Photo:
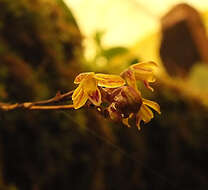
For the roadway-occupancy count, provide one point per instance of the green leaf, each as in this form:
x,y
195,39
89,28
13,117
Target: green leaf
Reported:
x,y
114,51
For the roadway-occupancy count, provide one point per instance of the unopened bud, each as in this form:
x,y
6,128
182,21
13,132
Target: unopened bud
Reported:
x,y
127,101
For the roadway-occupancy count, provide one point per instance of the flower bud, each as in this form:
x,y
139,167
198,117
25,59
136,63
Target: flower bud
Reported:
x,y
128,101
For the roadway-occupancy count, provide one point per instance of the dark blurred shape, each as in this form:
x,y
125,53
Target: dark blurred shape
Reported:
x,y
40,44
184,40
40,53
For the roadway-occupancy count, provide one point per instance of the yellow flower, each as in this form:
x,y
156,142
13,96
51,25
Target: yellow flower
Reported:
x,y
88,87
145,113
145,71
127,103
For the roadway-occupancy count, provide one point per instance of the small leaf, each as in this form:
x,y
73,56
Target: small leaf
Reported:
x,y
114,51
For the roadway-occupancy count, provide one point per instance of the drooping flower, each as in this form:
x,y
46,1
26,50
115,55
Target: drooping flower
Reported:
x,y
144,114
145,71
88,87
127,103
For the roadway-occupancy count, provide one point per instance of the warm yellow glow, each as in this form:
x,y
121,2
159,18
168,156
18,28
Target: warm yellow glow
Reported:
x,y
131,23
125,21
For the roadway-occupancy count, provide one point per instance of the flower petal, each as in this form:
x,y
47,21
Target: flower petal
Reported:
x,y
144,114
147,114
146,84
110,81
129,76
125,121
79,97
95,97
144,71
152,104
131,95
150,65
138,120
89,86
108,94
81,76
113,113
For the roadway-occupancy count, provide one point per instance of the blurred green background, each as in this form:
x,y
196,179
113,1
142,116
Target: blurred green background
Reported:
x,y
41,51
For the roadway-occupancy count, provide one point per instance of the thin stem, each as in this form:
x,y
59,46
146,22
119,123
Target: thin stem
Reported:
x,y
39,105
58,107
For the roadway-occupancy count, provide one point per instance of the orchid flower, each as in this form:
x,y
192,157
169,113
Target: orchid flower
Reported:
x,y
124,101
144,72
144,113
88,87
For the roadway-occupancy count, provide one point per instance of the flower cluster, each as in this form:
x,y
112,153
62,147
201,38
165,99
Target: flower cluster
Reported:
x,y
120,93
